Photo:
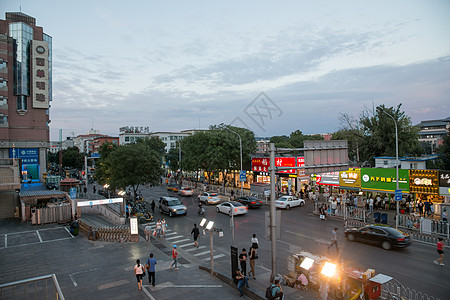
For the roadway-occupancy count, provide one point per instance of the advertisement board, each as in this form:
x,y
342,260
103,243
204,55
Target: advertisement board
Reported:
x,y
384,179
350,178
424,182
29,156
329,178
40,76
444,178
261,164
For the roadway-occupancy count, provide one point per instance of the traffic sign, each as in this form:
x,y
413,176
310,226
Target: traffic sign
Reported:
x,y
242,175
398,195
73,193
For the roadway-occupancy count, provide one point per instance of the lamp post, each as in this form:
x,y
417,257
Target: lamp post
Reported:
x,y
380,109
209,227
240,146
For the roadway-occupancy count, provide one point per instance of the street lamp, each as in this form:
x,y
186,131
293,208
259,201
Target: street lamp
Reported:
x,y
380,109
240,146
209,227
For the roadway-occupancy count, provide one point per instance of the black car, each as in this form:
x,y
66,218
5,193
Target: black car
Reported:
x,y
250,202
385,236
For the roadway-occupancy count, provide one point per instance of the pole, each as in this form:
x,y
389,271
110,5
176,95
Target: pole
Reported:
x,y
232,226
86,174
273,238
240,147
211,251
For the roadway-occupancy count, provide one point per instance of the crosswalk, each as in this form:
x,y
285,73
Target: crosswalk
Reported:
x,y
187,244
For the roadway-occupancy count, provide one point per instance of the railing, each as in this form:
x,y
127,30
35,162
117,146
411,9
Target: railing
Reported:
x,y
9,180
30,289
106,233
394,290
55,214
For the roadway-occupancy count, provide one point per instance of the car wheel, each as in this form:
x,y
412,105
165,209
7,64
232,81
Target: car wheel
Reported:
x,y
288,207
218,210
170,214
350,237
386,245
302,203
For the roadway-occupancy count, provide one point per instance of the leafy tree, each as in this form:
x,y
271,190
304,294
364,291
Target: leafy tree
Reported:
x,y
281,141
133,165
295,140
173,158
72,158
155,144
100,171
443,160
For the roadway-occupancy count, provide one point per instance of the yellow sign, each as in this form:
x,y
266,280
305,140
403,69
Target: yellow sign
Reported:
x,y
350,178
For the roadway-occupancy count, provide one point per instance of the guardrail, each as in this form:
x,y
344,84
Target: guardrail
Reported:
x,y
29,289
106,233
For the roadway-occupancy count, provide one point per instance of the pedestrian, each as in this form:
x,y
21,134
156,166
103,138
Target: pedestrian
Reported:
x,y
334,240
139,272
175,258
163,226
252,256
371,205
277,291
94,189
151,267
148,232
158,228
444,215
333,207
420,207
243,261
153,207
255,243
195,232
440,250
240,280
232,195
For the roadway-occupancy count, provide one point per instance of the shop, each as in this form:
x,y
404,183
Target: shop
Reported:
x,y
328,183
424,185
444,190
350,182
29,158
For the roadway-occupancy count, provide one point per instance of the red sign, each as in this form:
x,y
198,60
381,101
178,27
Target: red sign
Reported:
x,y
262,164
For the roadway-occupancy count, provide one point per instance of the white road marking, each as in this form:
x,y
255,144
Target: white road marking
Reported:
x,y
202,253
68,231
174,237
185,245
39,236
171,233
214,257
31,231
112,284
193,249
320,241
6,241
147,292
171,285
27,244
85,271
179,241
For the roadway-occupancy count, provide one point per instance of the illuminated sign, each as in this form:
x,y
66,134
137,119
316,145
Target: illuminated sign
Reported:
x,y
99,202
134,226
329,178
424,182
350,178
40,75
444,178
384,179
261,164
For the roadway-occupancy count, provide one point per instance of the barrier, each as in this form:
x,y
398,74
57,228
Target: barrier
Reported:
x,y
106,233
30,289
55,214
395,290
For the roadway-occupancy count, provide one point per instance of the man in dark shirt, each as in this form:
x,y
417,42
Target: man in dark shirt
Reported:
x,y
243,260
196,233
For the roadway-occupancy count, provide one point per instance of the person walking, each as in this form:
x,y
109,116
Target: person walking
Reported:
x,y
195,232
440,251
444,215
334,240
255,243
139,271
94,189
152,206
175,258
148,232
158,228
151,267
243,260
252,257
232,195
240,280
163,226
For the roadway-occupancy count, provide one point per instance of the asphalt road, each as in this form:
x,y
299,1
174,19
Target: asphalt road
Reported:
x,y
412,267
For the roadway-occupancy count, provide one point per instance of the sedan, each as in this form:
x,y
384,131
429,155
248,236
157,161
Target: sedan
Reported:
x,y
173,187
209,198
185,191
232,208
385,236
250,202
288,202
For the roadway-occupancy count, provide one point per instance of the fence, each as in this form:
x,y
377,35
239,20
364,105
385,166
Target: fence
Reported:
x,y
396,291
106,233
55,214
32,288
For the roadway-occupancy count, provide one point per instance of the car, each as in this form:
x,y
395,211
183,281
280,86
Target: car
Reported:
x,y
385,236
288,202
209,198
185,191
250,202
173,187
232,208
172,206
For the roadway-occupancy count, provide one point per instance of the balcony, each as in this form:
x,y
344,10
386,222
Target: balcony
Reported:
x,y
9,174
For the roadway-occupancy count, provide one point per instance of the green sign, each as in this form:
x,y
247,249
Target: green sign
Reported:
x,y
384,179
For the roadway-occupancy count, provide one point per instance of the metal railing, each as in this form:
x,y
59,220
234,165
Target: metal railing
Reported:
x,y
30,289
394,290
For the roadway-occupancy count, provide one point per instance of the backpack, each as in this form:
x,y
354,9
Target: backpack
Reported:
x,y
269,292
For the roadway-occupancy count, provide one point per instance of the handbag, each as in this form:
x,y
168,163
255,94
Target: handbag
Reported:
x,y
143,272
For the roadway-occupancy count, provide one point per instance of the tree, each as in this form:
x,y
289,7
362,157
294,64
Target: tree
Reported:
x,y
133,165
100,171
72,158
443,160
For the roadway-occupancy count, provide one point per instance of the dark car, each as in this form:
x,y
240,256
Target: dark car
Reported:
x,y
250,202
385,236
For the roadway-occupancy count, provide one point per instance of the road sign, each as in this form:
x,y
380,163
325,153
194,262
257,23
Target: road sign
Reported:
x,y
95,155
242,175
398,195
73,193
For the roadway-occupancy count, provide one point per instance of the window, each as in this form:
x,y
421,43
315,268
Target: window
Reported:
x,y
3,119
22,102
127,139
385,162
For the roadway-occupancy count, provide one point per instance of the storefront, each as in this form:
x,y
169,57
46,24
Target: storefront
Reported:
x,y
29,162
424,185
350,180
328,183
444,190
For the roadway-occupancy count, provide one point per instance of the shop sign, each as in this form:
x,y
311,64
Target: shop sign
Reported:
x,y
384,179
424,182
444,178
330,178
444,191
260,164
29,156
350,178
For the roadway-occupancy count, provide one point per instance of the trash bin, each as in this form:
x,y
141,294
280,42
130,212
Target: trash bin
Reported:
x,y
384,218
376,216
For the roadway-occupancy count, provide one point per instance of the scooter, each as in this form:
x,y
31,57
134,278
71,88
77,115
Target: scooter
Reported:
x,y
201,211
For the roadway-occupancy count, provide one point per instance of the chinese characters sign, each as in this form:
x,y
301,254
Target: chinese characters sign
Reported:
x,y
384,179
424,182
444,178
261,164
29,156
40,75
350,178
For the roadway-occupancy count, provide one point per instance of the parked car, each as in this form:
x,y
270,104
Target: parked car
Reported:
x,y
173,187
185,191
385,236
172,206
250,202
288,202
209,198
232,208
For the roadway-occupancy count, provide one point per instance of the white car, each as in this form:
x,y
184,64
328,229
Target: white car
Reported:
x,y
209,198
185,191
288,202
232,208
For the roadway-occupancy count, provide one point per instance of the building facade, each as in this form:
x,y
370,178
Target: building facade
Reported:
x,y
433,132
25,93
84,142
57,146
98,142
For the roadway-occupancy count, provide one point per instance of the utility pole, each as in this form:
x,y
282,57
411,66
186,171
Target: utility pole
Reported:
x,y
273,237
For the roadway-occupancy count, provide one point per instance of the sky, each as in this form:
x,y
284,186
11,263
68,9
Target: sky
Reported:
x,y
273,67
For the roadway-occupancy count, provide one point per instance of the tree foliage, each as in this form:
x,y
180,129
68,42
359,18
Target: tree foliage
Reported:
x,y
295,140
72,158
443,160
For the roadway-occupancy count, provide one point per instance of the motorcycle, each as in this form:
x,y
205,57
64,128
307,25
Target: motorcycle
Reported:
x,y
201,211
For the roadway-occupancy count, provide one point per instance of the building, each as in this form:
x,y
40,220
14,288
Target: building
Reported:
x,y
57,146
130,134
95,146
171,138
25,93
262,145
433,132
408,163
84,142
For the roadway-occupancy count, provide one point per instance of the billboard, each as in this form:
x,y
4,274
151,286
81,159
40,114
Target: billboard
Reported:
x,y
261,164
424,182
326,156
29,156
40,75
350,178
384,179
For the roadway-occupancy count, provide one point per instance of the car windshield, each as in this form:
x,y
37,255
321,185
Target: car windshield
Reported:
x,y
236,204
284,198
394,232
173,202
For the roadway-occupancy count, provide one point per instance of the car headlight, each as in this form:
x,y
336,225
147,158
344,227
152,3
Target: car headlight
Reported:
x,y
173,209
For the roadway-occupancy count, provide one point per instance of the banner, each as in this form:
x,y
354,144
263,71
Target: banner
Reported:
x,y
384,179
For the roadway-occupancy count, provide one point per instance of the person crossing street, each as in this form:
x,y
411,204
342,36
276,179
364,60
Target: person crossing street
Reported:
x,y
195,232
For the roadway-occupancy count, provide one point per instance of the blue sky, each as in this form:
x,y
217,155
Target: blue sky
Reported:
x,y
175,65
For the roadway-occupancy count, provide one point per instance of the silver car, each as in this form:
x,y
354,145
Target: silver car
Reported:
x,y
172,206
209,198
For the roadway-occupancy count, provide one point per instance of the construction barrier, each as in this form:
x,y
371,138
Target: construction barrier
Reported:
x,y
106,233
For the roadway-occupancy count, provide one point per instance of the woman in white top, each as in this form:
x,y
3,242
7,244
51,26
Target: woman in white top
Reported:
x,y
138,271
163,226
255,243
158,228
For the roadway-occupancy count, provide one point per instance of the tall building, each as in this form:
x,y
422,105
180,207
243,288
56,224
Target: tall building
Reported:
x,y
433,132
25,92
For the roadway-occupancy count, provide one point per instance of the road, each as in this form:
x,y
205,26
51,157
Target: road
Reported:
x,y
413,266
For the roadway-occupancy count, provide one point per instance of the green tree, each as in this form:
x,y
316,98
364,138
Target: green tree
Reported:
x,y
105,150
72,158
281,141
443,160
133,165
